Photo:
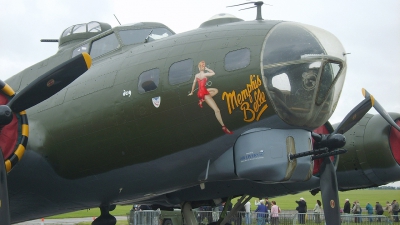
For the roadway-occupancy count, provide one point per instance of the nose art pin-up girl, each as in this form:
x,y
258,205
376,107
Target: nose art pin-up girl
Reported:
x,y
207,94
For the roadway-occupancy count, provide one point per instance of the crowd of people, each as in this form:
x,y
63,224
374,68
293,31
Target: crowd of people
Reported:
x,y
392,208
269,211
266,212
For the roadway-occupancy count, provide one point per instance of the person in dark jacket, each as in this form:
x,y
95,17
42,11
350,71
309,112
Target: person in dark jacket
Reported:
x,y
302,209
346,208
378,210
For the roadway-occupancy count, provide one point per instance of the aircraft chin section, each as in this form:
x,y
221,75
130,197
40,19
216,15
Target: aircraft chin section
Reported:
x,y
373,156
13,136
261,155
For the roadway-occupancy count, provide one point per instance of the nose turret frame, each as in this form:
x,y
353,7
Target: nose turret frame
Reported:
x,y
303,70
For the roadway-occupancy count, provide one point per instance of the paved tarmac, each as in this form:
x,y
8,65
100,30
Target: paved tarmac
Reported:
x,y
69,221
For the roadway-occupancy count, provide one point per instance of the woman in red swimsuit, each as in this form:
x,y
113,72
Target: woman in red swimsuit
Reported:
x,y
206,94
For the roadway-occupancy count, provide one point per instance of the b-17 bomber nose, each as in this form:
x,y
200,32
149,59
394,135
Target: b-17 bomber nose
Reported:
x,y
303,70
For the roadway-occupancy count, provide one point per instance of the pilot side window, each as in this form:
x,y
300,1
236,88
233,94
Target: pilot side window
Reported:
x,y
130,37
181,71
104,45
237,59
148,80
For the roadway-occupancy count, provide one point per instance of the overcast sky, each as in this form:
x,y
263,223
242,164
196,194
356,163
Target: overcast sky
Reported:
x,y
369,30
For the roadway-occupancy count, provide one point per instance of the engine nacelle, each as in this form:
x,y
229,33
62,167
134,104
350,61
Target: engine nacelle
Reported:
x,y
373,156
261,154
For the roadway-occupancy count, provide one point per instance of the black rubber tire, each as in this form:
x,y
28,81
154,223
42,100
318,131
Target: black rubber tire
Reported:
x,y
167,222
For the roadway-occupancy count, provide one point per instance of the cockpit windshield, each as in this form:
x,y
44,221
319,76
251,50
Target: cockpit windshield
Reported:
x,y
303,70
130,37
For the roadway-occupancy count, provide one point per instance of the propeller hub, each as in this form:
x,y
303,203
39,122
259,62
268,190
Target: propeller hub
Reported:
x,y
332,141
6,115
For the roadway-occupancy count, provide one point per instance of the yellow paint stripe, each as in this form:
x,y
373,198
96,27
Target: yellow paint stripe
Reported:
x,y
25,130
23,112
261,112
8,165
372,100
20,151
87,59
8,90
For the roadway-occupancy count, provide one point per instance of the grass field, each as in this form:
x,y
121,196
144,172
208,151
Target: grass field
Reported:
x,y
284,202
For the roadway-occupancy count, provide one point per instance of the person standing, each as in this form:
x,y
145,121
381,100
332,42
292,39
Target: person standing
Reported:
x,y
346,208
357,211
261,211
395,211
379,210
389,208
370,211
268,205
275,210
302,210
247,215
317,211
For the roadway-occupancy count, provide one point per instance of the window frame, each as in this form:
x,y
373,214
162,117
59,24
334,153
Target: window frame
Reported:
x,y
233,51
157,84
188,78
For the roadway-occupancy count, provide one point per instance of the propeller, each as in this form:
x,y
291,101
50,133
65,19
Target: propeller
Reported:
x,y
328,145
380,109
45,86
39,90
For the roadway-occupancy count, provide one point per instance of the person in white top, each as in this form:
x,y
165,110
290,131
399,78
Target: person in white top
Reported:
x,y
317,211
247,215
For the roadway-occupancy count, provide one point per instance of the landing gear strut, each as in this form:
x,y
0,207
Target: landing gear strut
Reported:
x,y
224,217
105,218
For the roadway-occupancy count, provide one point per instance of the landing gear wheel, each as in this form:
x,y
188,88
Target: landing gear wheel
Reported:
x,y
167,222
105,218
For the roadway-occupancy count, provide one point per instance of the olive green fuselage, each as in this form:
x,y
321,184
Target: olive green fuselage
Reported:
x,y
93,119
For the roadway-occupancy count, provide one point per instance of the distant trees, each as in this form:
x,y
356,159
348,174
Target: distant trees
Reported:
x,y
385,188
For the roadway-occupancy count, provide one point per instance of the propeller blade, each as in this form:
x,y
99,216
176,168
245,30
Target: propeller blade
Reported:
x,y
329,192
380,109
50,83
4,203
355,115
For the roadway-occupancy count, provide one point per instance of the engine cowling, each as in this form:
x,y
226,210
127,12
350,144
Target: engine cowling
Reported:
x,y
14,135
373,156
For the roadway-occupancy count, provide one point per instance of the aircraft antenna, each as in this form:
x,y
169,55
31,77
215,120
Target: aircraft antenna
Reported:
x,y
48,40
117,19
256,4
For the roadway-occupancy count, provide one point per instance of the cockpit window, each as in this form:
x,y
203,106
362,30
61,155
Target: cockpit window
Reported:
x,y
104,45
80,28
130,37
93,27
67,31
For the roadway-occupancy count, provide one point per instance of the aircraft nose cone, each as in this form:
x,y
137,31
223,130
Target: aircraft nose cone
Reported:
x,y
300,66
